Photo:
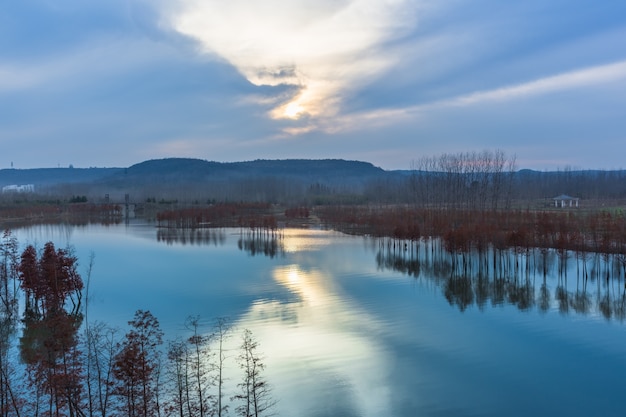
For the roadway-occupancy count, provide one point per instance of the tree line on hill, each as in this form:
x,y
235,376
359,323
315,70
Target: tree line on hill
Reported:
x,y
487,179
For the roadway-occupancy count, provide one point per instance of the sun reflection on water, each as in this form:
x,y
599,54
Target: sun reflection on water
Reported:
x,y
322,339
297,240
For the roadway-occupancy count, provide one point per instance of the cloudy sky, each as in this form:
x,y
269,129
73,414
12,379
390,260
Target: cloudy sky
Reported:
x,y
116,82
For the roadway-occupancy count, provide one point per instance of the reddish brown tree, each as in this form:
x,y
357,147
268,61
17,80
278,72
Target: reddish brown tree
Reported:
x,y
51,281
137,365
49,344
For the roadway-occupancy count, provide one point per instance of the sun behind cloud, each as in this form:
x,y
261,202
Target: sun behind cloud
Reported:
x,y
324,48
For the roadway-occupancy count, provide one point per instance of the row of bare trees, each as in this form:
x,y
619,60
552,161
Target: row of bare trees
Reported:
x,y
472,180
253,215
463,230
96,372
134,377
57,211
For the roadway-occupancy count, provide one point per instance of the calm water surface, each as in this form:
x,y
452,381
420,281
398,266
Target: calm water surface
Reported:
x,y
345,334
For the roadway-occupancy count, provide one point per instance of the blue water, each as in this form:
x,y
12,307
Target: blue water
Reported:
x,y
343,335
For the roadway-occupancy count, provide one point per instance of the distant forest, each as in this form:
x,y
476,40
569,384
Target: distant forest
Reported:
x,y
477,180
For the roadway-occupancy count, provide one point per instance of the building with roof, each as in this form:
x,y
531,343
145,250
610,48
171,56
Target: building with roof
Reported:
x,y
564,200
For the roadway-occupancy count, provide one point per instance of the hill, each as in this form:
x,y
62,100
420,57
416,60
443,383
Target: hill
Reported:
x,y
174,169
190,178
298,180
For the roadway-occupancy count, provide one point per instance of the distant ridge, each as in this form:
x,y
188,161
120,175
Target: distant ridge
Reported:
x,y
276,179
175,169
192,170
267,166
187,166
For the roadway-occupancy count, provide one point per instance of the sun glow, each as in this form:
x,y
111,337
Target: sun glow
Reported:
x,y
293,110
324,48
308,286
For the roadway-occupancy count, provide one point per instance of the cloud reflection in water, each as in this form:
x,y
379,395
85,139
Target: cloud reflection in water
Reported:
x,y
320,350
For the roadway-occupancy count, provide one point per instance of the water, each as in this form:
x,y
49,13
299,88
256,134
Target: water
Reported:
x,y
345,333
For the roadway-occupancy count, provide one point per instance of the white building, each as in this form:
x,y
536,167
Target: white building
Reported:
x,y
26,188
565,201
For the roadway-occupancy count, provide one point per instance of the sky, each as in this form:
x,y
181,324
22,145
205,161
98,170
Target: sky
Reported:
x,y
111,83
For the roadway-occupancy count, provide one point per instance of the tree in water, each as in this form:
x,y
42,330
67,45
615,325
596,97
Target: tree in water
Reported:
x,y
137,367
255,395
49,344
50,282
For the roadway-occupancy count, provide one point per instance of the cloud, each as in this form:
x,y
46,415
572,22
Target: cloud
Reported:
x,y
13,78
325,48
573,80
102,58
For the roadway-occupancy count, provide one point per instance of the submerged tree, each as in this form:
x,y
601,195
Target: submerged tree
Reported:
x,y
255,394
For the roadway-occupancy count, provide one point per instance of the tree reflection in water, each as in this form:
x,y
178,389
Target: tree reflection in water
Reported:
x,y
259,242
199,236
509,276
269,245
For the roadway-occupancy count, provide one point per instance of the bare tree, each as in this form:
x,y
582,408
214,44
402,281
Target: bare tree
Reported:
x,y
200,365
255,395
8,319
178,371
101,349
222,330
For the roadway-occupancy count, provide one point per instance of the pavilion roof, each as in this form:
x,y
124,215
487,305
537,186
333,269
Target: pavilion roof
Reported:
x,y
565,197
